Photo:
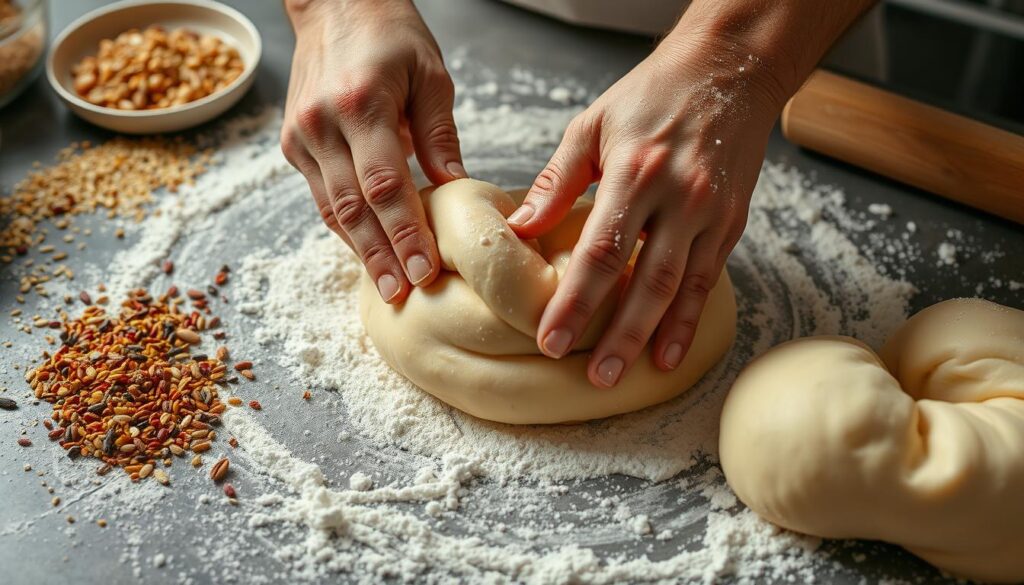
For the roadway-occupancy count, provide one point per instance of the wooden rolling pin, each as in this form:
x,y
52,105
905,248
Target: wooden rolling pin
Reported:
x,y
935,150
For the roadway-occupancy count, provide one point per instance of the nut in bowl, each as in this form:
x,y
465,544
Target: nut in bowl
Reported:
x,y
150,67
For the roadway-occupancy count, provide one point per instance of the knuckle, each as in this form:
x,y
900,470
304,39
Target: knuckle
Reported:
x,y
328,217
443,134
648,161
604,254
355,99
291,147
383,186
438,80
581,307
349,207
405,231
662,281
580,126
697,285
549,179
310,119
633,336
374,253
685,325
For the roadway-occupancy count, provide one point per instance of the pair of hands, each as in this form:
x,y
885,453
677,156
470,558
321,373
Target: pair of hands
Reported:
x,y
676,144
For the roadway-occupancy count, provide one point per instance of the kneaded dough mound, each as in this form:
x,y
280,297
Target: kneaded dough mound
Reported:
x,y
469,338
922,447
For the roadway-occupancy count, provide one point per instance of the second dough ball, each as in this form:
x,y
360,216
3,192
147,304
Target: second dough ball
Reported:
x,y
922,447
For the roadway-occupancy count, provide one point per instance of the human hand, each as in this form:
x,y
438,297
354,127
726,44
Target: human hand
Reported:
x,y
677,145
364,72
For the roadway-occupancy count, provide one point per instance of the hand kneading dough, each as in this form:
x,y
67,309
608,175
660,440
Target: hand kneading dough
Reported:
x,y
923,447
469,338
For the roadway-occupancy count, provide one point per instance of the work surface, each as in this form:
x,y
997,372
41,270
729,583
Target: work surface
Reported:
x,y
175,535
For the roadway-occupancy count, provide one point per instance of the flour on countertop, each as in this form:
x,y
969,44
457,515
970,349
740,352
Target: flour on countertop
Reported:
x,y
373,479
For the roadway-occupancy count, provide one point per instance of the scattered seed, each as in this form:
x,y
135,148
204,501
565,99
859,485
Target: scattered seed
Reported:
x,y
55,501
222,353
159,475
71,519
85,298
25,442
233,442
234,401
121,385
246,365
167,267
306,395
229,491
221,279
220,469
8,404
255,405
247,374
101,523
195,295
197,461
187,335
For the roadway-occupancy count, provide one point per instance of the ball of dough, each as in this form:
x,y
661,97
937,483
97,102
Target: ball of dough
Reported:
x,y
921,447
469,338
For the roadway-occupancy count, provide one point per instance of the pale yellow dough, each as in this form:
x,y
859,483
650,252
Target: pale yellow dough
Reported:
x,y
469,338
922,447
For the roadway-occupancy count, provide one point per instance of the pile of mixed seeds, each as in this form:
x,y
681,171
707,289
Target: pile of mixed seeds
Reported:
x,y
127,387
117,177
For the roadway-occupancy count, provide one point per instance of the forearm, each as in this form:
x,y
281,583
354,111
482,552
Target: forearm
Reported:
x,y
782,40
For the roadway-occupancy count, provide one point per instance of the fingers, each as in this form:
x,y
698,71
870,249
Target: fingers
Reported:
x,y
595,266
343,209
651,289
571,170
387,187
358,221
675,335
433,130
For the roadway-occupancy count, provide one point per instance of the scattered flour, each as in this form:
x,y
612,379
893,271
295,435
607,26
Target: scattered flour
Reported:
x,y
947,254
426,493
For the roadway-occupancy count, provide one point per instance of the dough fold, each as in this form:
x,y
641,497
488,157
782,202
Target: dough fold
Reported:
x,y
469,338
921,445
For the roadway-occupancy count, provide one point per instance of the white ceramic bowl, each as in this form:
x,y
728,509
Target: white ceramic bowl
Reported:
x,y
82,38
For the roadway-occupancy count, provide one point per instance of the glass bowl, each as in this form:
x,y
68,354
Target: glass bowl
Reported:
x,y
24,31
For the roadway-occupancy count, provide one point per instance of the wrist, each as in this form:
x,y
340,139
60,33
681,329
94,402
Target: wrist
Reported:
x,y
775,45
308,14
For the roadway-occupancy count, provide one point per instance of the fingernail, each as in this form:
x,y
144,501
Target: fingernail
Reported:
x,y
521,215
388,287
418,267
556,343
609,370
456,169
673,355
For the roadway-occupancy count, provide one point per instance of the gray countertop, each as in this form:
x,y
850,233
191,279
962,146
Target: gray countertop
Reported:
x,y
36,125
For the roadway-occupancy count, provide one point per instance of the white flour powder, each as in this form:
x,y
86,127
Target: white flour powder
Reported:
x,y
373,478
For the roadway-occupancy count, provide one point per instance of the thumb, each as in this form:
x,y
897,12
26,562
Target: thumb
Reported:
x,y
433,132
567,175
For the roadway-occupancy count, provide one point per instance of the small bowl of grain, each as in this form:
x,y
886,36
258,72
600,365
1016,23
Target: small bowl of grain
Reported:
x,y
145,67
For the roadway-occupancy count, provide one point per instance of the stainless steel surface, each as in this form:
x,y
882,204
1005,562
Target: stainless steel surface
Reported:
x,y
35,126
